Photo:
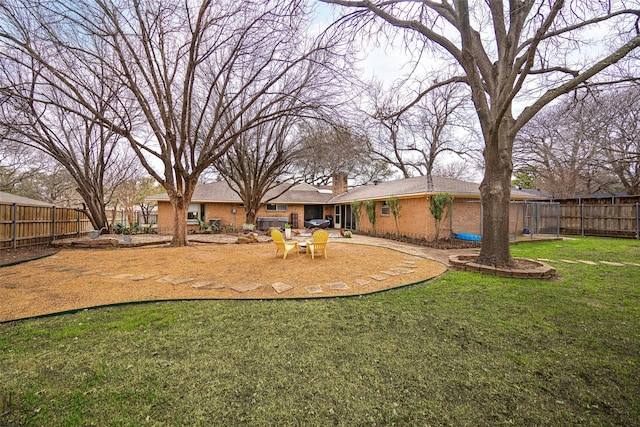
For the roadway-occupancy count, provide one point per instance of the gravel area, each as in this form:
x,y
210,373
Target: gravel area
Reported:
x,y
80,278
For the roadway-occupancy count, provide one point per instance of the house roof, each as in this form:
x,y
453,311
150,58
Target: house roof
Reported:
x,y
303,193
221,192
12,198
417,186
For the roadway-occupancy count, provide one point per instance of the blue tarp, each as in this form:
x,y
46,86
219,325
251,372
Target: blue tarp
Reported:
x,y
467,236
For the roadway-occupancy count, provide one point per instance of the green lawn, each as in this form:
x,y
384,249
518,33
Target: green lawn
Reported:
x,y
462,350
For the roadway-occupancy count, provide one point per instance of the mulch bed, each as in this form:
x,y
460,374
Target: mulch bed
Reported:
x,y
13,256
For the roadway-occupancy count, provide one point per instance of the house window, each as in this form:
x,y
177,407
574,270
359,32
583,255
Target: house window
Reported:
x,y
276,207
194,213
385,208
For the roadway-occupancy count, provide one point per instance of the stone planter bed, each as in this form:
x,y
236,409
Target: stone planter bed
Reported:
x,y
526,268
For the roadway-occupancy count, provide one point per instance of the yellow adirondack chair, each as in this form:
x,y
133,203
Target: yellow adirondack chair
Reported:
x,y
276,235
318,243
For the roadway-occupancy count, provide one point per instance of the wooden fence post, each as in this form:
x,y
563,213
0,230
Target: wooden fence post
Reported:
x,y
53,225
14,236
637,220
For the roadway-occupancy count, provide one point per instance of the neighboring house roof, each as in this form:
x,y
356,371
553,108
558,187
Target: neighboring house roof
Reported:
x,y
303,193
12,198
620,194
534,192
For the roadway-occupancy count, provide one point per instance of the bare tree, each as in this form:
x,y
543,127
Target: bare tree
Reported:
x,y
192,72
53,184
387,139
327,149
374,170
457,169
37,115
588,143
558,145
131,194
520,51
620,141
17,165
438,126
260,160
412,138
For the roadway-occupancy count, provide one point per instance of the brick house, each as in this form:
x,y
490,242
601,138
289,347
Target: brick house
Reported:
x,y
218,202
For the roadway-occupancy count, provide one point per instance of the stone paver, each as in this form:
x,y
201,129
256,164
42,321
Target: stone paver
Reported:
x,y
246,287
166,279
378,277
338,286
208,285
314,289
122,276
280,287
403,265
142,277
203,284
362,282
182,281
402,270
390,273
89,273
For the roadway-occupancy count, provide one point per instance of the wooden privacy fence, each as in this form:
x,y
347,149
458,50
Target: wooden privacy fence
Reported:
x,y
31,225
621,220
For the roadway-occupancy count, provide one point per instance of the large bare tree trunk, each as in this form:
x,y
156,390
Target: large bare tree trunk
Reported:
x,y
495,192
180,209
251,216
93,207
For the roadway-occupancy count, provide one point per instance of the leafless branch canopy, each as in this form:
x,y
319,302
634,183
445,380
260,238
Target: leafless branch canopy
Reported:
x,y
183,80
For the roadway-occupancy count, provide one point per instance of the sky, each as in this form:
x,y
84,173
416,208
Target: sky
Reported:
x,y
381,62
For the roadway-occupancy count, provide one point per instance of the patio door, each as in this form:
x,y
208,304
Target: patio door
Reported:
x,y
343,217
337,218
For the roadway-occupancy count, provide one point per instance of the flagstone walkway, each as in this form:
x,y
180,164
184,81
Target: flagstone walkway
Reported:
x,y
582,261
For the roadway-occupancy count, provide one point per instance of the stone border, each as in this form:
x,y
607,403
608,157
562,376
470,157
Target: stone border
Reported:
x,y
466,263
103,243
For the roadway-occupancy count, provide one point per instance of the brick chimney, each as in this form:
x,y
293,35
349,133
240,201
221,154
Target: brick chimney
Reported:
x,y
339,183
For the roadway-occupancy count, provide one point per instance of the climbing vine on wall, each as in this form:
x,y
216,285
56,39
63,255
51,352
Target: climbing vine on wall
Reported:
x,y
440,207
